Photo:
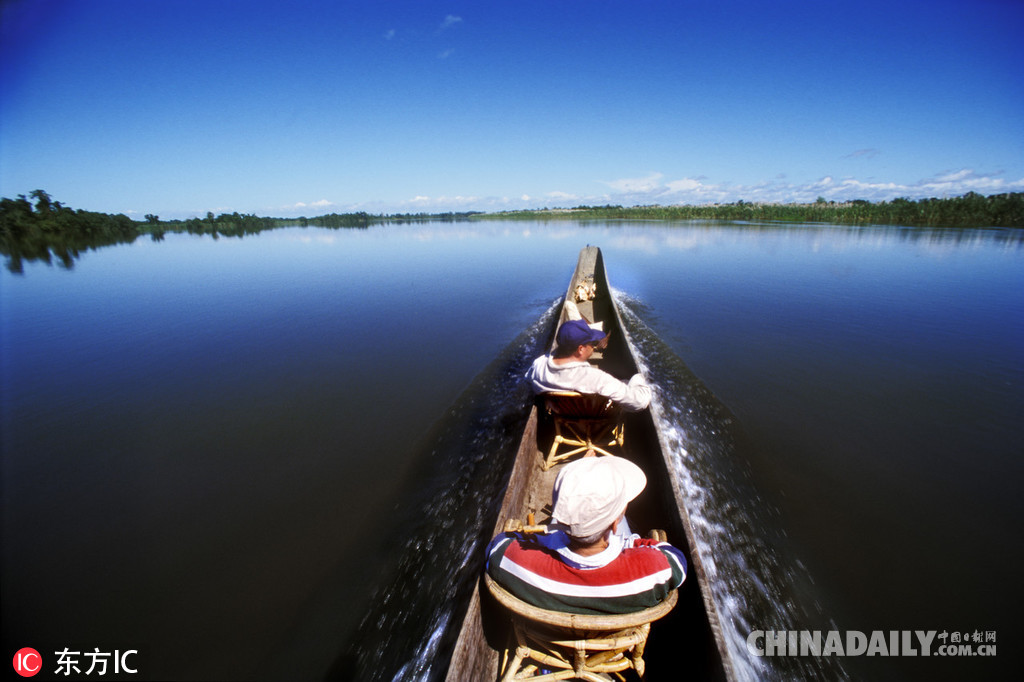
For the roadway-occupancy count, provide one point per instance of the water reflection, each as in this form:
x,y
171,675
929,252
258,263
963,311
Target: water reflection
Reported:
x,y
192,422
67,247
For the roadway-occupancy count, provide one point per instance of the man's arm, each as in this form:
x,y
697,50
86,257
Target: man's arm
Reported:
x,y
632,397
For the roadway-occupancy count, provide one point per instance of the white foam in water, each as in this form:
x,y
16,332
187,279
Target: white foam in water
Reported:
x,y
706,533
419,666
457,515
748,586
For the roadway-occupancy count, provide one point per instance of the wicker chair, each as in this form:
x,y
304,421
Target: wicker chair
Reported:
x,y
583,422
551,645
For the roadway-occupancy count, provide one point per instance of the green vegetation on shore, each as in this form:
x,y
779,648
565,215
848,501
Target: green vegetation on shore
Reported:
x,y
50,230
47,230
970,210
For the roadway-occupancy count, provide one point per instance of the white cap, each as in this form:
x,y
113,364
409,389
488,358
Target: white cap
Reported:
x,y
592,492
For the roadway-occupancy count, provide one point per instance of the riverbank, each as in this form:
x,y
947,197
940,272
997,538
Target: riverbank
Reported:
x,y
48,230
970,210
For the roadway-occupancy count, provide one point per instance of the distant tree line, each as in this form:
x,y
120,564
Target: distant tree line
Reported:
x,y
43,229
449,217
363,219
48,230
224,225
970,210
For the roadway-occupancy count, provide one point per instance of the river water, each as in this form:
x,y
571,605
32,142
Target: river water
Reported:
x,y
273,457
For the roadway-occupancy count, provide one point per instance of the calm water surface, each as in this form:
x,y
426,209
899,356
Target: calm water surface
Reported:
x,y
213,450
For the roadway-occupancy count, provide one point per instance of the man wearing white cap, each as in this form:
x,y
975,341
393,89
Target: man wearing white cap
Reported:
x,y
567,368
589,568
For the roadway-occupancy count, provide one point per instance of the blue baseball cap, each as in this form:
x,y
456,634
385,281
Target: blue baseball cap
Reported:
x,y
577,333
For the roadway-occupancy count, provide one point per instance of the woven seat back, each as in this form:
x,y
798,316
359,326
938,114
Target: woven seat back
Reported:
x,y
569,645
575,624
573,405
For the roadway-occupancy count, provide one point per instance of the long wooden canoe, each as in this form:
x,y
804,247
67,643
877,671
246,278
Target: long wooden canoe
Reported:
x,y
689,642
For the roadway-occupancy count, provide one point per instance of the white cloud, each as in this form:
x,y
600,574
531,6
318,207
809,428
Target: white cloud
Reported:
x,y
962,174
450,20
684,185
561,196
441,203
654,190
300,205
630,185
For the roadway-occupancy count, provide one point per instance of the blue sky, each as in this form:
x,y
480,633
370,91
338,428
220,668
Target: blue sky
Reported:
x,y
179,107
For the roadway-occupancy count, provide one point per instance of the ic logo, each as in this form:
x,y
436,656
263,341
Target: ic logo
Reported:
x,y
27,662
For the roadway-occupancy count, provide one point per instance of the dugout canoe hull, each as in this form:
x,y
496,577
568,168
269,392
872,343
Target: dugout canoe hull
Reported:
x,y
689,641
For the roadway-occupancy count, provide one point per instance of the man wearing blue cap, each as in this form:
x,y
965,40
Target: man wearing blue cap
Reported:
x,y
567,368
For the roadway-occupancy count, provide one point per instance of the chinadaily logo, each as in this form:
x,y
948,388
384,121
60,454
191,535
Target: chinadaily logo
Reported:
x,y
875,643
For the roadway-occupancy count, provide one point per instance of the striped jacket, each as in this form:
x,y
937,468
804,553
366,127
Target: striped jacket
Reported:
x,y
631,575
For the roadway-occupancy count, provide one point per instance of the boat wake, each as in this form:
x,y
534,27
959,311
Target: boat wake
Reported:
x,y
464,466
752,586
410,630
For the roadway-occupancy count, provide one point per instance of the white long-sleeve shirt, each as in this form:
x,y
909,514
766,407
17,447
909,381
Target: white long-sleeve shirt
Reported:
x,y
581,376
